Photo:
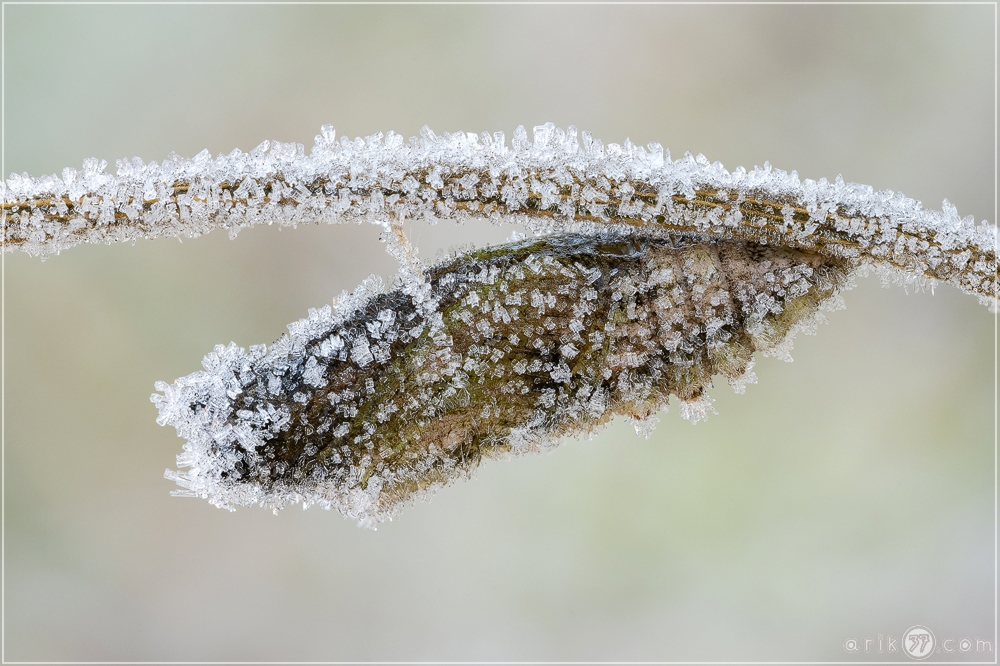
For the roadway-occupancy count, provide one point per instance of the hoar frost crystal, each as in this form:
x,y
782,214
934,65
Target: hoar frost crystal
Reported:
x,y
646,278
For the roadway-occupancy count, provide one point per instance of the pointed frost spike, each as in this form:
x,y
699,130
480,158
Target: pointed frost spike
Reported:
x,y
91,167
572,142
428,135
387,178
655,153
260,149
697,410
559,138
542,134
644,427
520,140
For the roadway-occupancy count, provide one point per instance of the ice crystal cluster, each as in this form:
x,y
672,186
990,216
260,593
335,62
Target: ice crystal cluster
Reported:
x,y
647,277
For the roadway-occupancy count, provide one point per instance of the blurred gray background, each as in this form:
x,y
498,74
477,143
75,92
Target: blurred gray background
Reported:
x,y
847,495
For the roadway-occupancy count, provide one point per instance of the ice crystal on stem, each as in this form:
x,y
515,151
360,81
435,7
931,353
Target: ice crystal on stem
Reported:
x,y
648,277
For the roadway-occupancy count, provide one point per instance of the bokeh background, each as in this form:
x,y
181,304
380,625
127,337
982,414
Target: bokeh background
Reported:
x,y
847,495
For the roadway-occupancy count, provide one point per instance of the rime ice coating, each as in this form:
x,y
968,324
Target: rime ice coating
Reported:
x,y
557,181
368,406
649,277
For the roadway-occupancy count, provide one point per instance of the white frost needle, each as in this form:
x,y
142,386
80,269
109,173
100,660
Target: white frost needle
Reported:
x,y
648,277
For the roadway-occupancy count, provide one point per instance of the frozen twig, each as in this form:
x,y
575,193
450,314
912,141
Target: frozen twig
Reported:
x,y
648,277
555,182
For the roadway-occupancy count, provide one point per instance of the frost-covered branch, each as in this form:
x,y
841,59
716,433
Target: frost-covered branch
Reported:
x,y
648,277
555,182
367,406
